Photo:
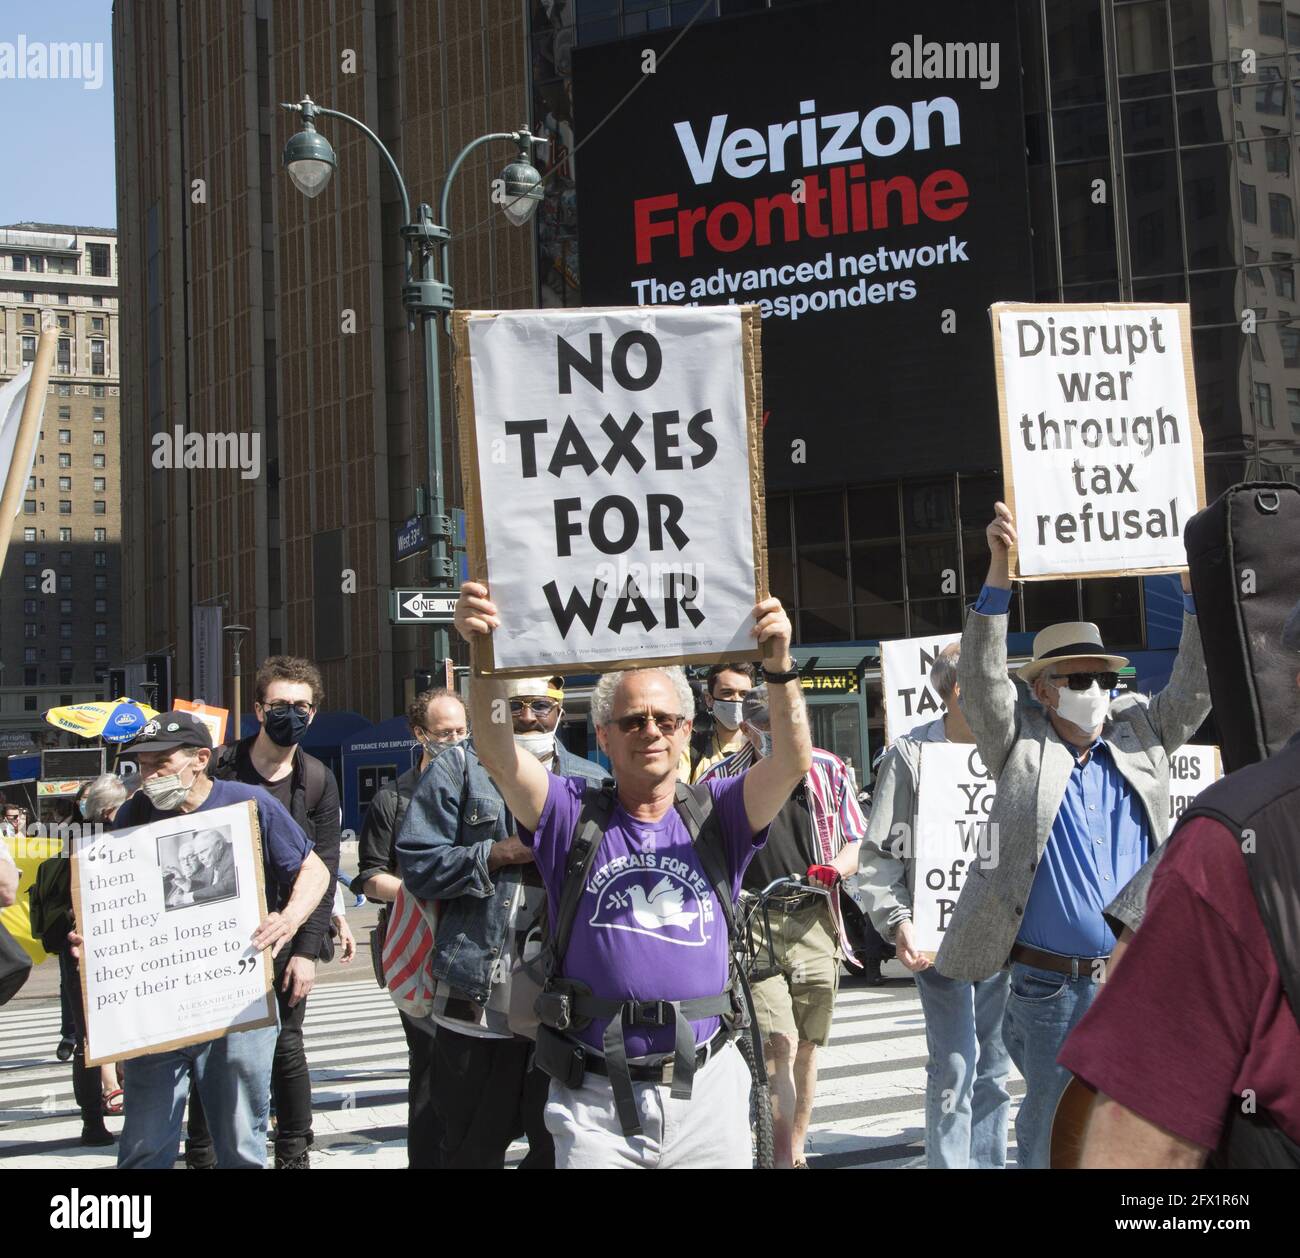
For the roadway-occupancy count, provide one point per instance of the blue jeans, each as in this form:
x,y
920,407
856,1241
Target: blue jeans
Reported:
x,y
966,1099
1043,1009
233,1075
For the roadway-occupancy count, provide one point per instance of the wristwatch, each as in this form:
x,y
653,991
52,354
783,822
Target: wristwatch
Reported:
x,y
792,675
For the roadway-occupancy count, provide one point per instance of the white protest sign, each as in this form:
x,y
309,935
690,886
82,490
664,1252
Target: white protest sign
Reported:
x,y
954,797
614,483
905,677
1191,769
1101,442
167,912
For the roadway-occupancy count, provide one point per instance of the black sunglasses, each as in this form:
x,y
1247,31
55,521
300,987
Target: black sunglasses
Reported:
x,y
667,723
1081,681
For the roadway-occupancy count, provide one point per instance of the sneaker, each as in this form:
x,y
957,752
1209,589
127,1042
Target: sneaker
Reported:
x,y
65,1050
300,1163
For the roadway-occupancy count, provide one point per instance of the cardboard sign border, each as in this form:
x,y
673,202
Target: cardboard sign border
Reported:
x,y
890,736
481,652
206,1036
1184,312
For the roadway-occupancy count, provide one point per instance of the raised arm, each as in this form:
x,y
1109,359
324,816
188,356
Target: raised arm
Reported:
x,y
769,783
988,697
519,776
1178,710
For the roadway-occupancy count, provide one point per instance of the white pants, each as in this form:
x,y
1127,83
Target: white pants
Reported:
x,y
708,1132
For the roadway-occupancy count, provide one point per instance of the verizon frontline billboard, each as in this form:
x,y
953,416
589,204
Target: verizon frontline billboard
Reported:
x,y
855,169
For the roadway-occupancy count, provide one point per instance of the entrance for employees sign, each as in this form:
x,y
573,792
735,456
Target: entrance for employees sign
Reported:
x,y
167,911
1101,443
614,483
905,676
954,797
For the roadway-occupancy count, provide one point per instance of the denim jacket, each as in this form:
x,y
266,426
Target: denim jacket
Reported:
x,y
454,817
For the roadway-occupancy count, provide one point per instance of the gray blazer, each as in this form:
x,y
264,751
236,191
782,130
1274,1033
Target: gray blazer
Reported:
x,y
886,859
1032,767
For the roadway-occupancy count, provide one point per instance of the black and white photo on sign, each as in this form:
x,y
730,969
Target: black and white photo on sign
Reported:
x,y
198,867
905,665
1101,436
616,483
151,974
954,798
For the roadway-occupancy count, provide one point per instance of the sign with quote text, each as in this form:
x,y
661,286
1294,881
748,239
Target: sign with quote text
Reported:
x,y
1101,442
954,797
905,665
1192,768
613,484
167,912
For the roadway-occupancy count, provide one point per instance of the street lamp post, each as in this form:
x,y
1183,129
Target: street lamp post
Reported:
x,y
237,633
309,160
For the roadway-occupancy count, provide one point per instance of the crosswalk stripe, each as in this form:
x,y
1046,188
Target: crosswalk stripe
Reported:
x,y
870,1109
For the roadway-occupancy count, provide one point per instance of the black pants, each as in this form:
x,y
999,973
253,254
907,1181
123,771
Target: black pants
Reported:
x,y
423,1130
86,1088
486,1096
290,1086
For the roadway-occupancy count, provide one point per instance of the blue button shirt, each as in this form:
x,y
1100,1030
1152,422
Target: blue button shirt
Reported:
x,y
1099,840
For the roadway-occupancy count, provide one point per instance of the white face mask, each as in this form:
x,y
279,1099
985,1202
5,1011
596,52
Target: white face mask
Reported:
x,y
1084,708
540,743
764,743
167,793
727,712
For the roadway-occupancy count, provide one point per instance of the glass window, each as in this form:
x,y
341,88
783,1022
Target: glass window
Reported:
x,y
65,460
97,460
1249,206
65,484
99,259
28,349
65,584
1283,279
65,436
65,607
1293,408
65,676
101,605
97,414
101,559
97,437
101,581
102,535
1142,37
29,535
1087,227
930,535
65,506
29,583
1264,404
101,653
97,324
99,485
19,262
1281,215
65,558
101,507
1290,340
65,535
1277,154
29,703
1081,133
29,607
1152,197
1147,124
96,390
29,630
101,629
29,558
29,506
1193,23
29,320
65,629
1205,118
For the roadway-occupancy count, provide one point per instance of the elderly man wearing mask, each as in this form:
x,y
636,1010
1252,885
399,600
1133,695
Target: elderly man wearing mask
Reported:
x,y
458,844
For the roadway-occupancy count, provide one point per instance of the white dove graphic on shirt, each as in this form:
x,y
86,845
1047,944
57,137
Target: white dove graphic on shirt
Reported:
x,y
662,907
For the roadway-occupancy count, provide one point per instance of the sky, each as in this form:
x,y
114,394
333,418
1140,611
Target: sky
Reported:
x,y
57,164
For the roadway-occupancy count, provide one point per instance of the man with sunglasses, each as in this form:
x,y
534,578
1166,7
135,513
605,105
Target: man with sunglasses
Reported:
x,y
458,845
645,1073
1082,799
288,692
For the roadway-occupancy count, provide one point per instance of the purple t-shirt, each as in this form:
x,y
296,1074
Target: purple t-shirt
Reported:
x,y
647,926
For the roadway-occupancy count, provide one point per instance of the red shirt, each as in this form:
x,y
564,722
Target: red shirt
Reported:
x,y
1195,1015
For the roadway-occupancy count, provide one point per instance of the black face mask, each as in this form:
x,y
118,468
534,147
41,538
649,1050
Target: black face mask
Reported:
x,y
286,729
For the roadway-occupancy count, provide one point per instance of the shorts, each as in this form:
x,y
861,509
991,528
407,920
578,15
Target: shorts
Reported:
x,y
800,1001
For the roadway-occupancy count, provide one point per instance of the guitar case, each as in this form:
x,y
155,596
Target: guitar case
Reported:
x,y
1243,551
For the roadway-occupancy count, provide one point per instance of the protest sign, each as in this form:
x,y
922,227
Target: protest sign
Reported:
x,y
214,719
167,912
1191,769
1101,443
954,796
613,484
905,677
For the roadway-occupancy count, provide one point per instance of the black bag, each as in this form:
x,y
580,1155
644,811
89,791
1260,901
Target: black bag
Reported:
x,y
15,966
1243,551
49,901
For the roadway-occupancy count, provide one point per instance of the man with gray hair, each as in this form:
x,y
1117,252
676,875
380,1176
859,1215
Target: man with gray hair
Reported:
x,y
966,1099
639,996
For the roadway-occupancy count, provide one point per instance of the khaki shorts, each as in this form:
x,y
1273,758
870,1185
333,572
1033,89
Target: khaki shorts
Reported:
x,y
800,1001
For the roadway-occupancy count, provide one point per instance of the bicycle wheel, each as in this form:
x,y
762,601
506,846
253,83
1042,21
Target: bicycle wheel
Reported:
x,y
760,1104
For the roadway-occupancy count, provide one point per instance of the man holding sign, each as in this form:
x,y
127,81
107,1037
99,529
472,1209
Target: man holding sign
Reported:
x,y
640,878
233,1071
1082,798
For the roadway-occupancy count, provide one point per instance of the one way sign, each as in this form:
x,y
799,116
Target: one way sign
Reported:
x,y
423,607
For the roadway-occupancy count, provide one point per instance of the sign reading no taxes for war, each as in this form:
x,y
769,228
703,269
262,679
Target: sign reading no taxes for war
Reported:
x,y
1101,442
905,677
954,797
613,483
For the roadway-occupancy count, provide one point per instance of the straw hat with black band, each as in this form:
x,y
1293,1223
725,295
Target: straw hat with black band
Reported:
x,y
1070,640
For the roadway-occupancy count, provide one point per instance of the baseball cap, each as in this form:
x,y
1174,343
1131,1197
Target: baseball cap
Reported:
x,y
169,731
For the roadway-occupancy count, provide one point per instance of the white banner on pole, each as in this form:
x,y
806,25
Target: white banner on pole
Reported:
x,y
905,676
617,512
954,797
167,911
1101,442
205,684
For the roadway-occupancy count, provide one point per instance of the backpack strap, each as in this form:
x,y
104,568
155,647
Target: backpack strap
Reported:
x,y
695,807
597,807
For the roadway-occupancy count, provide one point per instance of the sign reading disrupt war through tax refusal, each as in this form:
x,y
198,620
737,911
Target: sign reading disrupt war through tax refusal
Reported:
x,y
905,666
614,484
1101,443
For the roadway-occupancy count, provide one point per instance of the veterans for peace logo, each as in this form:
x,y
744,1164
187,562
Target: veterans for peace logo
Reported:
x,y
651,902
